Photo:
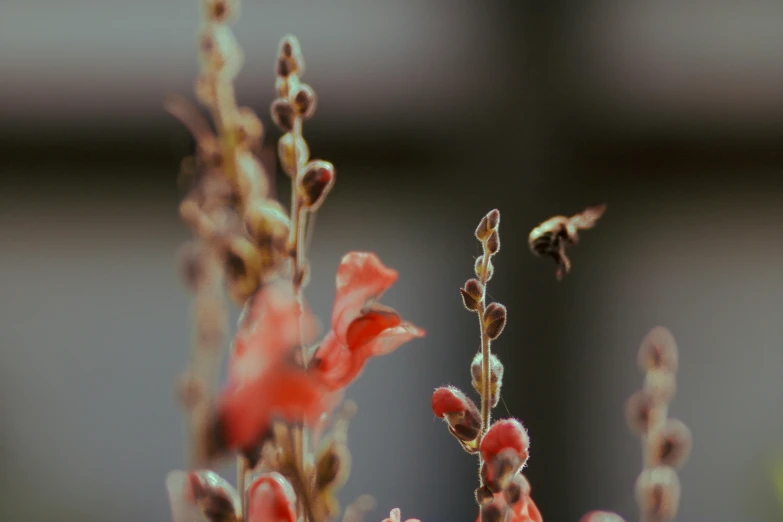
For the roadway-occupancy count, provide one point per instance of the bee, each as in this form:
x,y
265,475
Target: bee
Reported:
x,y
553,236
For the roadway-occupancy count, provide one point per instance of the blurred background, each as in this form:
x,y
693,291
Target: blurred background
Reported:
x,y
434,113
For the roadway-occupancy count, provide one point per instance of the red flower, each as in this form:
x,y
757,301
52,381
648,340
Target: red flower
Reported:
x,y
360,328
503,434
263,382
271,499
516,502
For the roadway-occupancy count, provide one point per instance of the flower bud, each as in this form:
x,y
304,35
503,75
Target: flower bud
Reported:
x,y
671,444
215,497
493,512
658,351
495,376
251,179
243,268
205,89
267,223
504,434
191,263
498,472
518,491
249,127
220,53
271,498
483,496
221,10
332,465
289,157
660,385
316,182
494,320
472,293
283,114
479,269
493,243
304,101
487,225
460,413
291,53
658,493
637,412
601,516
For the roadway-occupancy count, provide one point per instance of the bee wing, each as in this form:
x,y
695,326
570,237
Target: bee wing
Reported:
x,y
588,217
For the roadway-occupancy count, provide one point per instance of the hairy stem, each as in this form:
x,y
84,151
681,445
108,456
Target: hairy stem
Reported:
x,y
485,351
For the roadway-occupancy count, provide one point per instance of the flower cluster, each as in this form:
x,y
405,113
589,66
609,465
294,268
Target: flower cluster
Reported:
x,y
278,409
502,447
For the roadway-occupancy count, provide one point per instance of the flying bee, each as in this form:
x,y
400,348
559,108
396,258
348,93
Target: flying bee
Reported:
x,y
553,236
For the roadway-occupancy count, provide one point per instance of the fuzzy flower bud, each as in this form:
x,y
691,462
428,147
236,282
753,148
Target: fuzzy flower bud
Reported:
x,y
460,413
271,498
290,156
316,182
291,54
658,351
518,490
498,472
304,101
219,50
505,434
479,269
471,294
671,444
487,225
658,493
267,223
493,243
494,320
283,114
661,385
637,412
601,516
243,267
495,376
493,512
483,496
221,10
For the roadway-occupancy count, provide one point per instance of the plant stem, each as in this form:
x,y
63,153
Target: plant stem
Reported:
x,y
485,351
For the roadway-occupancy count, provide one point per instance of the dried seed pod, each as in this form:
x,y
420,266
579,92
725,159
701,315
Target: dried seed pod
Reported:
x,y
290,156
637,412
472,293
658,351
601,516
458,410
658,493
315,183
487,225
498,472
483,496
494,320
304,101
671,444
479,269
268,223
493,243
495,376
283,114
660,385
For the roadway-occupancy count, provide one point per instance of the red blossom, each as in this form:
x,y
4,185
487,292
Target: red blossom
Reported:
x,y
360,328
271,499
263,382
503,434
522,508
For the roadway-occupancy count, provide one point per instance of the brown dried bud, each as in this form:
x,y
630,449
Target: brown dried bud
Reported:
x,y
283,114
601,516
483,496
493,513
316,182
658,493
290,156
304,101
517,490
472,293
658,351
494,320
487,225
268,223
332,465
221,10
493,243
243,268
498,472
214,496
495,376
637,412
660,385
191,263
671,444
479,269
291,53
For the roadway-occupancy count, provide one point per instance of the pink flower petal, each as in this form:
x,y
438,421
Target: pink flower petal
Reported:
x,y
392,338
271,499
361,277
